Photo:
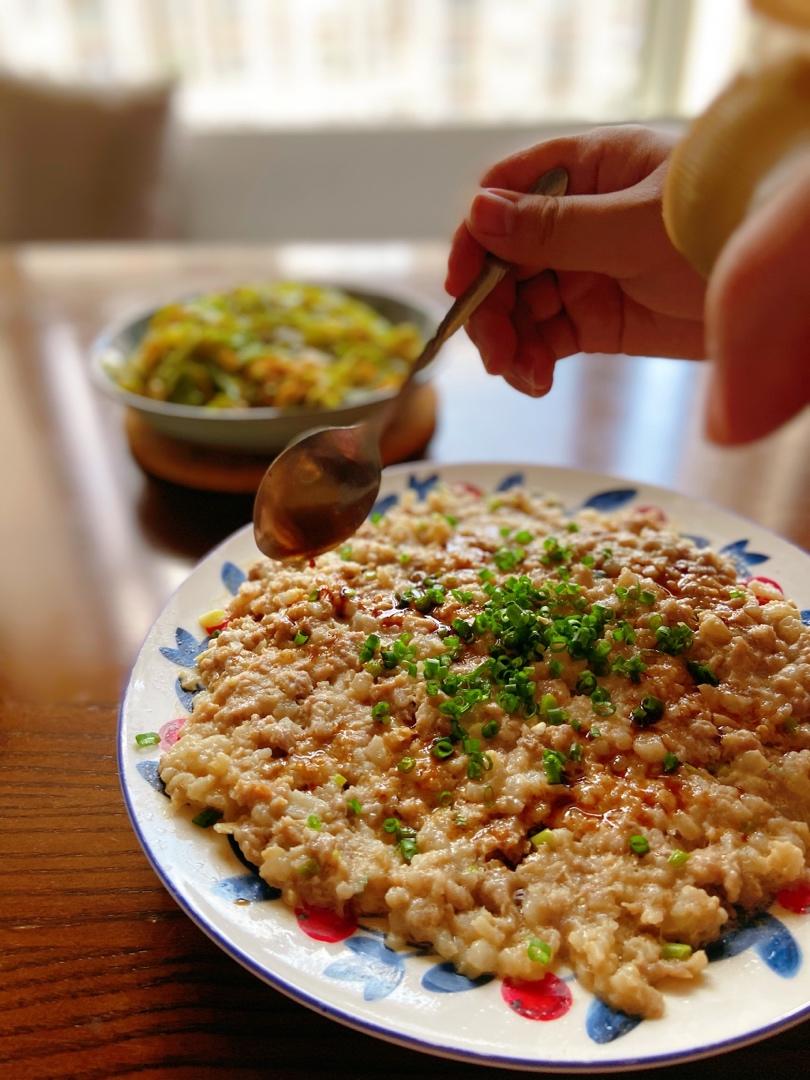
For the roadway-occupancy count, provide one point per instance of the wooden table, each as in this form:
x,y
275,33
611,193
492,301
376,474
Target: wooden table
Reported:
x,y
102,974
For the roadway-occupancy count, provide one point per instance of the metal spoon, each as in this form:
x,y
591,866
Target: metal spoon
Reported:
x,y
322,486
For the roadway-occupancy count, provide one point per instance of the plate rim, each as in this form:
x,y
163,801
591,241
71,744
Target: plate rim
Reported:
x,y
343,1015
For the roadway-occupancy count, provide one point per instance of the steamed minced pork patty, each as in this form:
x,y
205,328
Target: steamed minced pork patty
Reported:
x,y
521,738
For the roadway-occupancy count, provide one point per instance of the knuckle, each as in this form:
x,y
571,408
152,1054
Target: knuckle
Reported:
x,y
542,217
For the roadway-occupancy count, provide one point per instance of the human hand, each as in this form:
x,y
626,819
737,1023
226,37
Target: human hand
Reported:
x,y
758,316
594,271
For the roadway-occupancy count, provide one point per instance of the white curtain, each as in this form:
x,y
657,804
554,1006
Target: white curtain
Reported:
x,y
415,62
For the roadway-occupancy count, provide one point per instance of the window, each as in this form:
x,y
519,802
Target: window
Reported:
x,y
300,63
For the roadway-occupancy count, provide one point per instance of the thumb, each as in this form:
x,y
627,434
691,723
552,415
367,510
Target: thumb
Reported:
x,y
606,234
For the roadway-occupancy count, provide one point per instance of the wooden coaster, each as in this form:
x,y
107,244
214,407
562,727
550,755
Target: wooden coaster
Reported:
x,y
213,469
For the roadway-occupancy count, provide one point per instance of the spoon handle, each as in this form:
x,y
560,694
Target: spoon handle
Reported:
x,y
554,182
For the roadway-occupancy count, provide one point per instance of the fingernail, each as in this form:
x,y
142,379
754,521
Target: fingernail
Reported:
x,y
492,214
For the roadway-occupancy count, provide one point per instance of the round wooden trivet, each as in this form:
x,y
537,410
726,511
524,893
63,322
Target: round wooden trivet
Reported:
x,y
213,469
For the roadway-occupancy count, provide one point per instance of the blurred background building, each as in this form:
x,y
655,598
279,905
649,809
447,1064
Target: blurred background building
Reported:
x,y
318,119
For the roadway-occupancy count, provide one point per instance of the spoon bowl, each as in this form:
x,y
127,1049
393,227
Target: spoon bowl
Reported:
x,y
318,492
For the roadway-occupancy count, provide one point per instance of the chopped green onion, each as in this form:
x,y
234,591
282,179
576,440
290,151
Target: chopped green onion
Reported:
x,y
575,753
587,560
586,683
490,729
508,558
308,868
545,836
442,748
650,711
554,668
207,817
675,950
408,848
638,844
314,595
376,517
369,648
381,710
632,667
678,857
314,822
404,558
624,633
451,520
147,738
339,780
671,762
444,798
539,951
405,837
406,764
300,638
463,629
701,673
601,703
523,537
354,806
572,527
673,639
431,668
554,766
346,552
478,763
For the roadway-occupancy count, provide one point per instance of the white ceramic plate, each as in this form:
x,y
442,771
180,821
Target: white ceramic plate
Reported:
x,y
758,984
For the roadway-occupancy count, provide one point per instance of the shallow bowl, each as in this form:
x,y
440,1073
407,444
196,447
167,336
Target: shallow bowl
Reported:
x,y
255,430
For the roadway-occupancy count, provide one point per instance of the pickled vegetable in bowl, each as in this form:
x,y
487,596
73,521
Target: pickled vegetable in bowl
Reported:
x,y
283,345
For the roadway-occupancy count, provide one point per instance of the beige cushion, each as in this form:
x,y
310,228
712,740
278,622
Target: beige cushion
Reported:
x,y
79,164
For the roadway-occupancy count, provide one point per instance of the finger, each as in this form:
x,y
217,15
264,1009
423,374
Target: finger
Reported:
x,y
599,161
540,295
464,262
758,318
560,336
534,361
520,171
609,234
494,336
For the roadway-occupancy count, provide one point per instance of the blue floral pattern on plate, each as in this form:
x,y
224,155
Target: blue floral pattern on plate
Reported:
x,y
232,577
249,888
378,969
608,501
604,1024
187,649
769,937
742,558
444,979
